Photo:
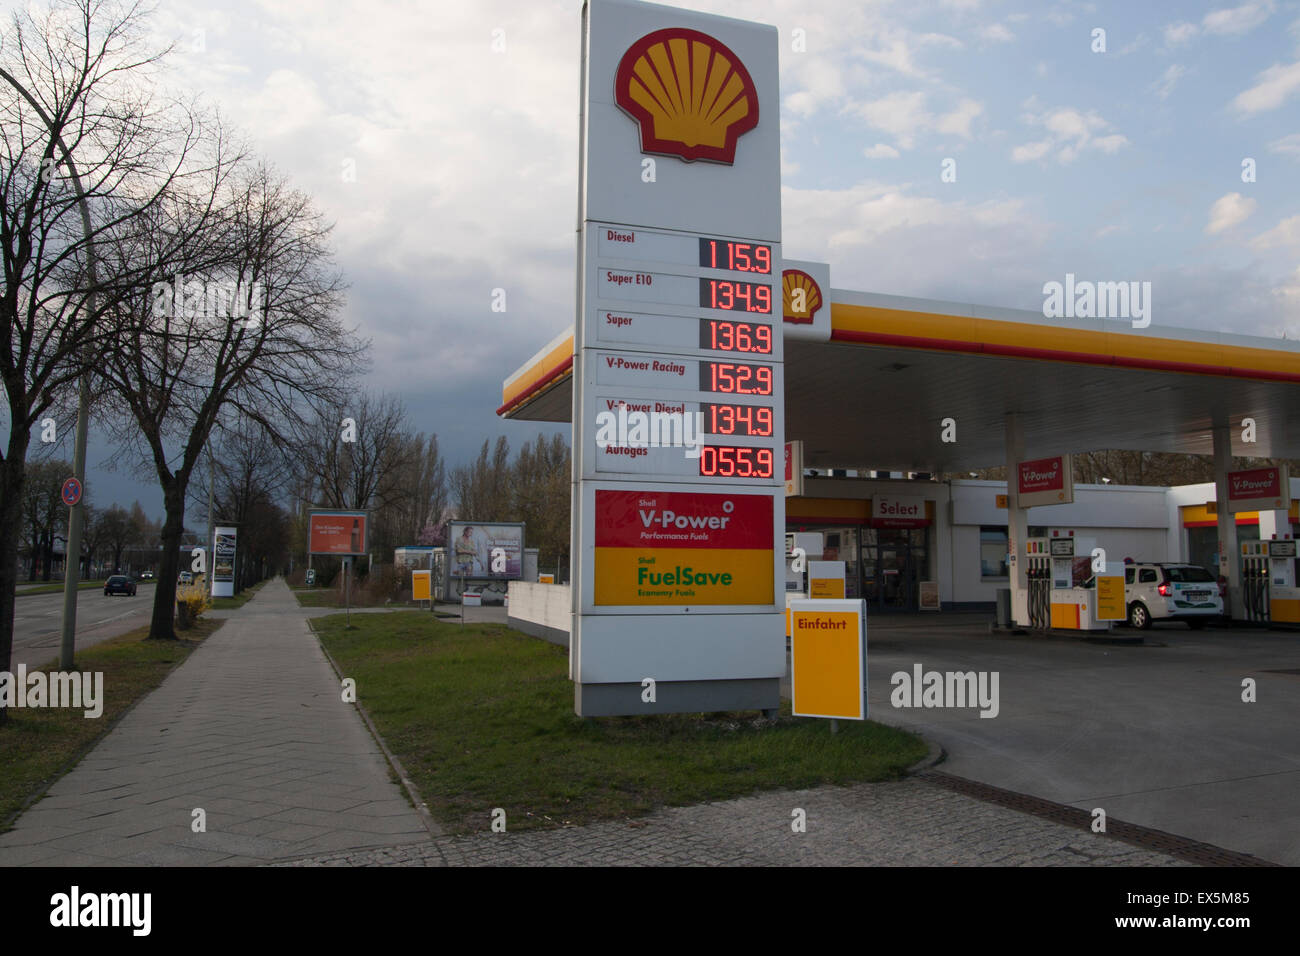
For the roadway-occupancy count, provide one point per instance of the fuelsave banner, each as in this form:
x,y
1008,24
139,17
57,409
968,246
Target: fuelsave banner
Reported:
x,y
667,548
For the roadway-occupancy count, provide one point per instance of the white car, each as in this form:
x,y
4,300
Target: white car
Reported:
x,y
187,577
1171,592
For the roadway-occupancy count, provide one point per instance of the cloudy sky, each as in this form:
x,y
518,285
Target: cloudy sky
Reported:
x,y
449,167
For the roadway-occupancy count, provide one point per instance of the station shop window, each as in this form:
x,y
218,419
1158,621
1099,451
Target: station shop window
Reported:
x,y
993,552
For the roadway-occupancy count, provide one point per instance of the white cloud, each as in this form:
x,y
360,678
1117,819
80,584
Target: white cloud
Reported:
x,y
1288,145
1285,233
996,33
1070,132
1228,211
1273,88
1234,21
1179,33
904,115
1165,85
881,151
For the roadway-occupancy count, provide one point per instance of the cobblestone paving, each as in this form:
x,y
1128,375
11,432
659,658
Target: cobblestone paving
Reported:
x,y
908,823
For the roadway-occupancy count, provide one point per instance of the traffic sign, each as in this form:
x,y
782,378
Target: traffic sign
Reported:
x,y
71,492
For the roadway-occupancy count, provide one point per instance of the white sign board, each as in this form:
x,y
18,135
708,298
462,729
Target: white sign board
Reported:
x,y
678,385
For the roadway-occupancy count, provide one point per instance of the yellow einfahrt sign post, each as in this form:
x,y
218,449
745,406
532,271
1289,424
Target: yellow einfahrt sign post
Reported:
x,y
828,659
420,585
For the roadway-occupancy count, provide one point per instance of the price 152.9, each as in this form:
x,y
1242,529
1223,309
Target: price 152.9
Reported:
x,y
735,379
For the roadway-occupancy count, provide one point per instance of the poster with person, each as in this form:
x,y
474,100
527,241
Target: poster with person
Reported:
x,y
486,550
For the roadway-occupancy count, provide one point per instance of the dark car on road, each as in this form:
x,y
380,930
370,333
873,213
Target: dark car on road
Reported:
x,y
119,584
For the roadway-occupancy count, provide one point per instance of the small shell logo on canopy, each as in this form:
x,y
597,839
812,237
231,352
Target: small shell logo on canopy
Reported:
x,y
690,95
798,288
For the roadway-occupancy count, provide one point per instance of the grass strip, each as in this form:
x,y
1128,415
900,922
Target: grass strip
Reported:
x,y
482,717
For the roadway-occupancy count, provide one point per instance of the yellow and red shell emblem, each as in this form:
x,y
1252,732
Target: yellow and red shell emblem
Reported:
x,y
798,288
690,95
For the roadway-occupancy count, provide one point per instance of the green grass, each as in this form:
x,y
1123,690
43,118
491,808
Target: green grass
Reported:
x,y
37,746
482,717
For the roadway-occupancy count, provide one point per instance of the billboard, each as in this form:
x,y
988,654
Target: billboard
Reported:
x,y
223,562
337,532
482,550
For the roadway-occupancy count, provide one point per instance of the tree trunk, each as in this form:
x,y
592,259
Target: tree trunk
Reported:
x,y
162,626
12,474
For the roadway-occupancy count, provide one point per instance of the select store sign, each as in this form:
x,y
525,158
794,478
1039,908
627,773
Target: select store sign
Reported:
x,y
1046,481
680,548
892,511
1259,489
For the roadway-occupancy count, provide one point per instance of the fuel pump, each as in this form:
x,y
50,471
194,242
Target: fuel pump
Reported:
x,y
1038,573
1255,580
1268,581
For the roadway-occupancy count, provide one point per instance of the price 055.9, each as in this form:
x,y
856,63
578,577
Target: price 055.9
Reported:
x,y
726,461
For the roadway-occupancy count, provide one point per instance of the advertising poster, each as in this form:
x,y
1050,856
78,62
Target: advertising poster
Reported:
x,y
1259,489
667,547
337,532
472,545
1046,481
223,562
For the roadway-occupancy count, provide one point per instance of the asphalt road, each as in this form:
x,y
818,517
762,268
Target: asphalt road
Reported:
x,y
38,621
1156,734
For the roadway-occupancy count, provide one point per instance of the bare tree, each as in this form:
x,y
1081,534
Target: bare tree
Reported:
x,y
251,329
87,149
44,512
351,448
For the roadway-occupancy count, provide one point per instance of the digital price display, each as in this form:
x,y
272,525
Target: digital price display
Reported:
x,y
735,379
750,420
735,256
730,461
734,295
726,335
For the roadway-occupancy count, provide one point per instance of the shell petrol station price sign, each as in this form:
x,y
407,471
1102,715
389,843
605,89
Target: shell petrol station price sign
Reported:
x,y
678,380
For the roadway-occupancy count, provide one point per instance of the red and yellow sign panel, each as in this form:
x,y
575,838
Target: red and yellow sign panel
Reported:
x,y
683,548
337,532
690,95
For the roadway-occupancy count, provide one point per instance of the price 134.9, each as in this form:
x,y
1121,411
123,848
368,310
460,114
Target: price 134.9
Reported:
x,y
733,295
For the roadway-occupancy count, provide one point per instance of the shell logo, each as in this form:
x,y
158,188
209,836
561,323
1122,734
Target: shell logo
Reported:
x,y
798,288
689,94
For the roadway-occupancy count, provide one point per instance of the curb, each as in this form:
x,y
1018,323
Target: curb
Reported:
x,y
412,792
936,756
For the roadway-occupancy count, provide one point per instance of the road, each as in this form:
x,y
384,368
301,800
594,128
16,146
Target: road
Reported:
x,y
1155,734
38,621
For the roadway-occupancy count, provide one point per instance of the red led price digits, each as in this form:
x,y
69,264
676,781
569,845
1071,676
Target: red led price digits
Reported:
x,y
728,461
735,379
734,295
755,420
728,336
736,256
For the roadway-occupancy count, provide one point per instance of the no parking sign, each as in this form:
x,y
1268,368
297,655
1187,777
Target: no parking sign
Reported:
x,y
71,492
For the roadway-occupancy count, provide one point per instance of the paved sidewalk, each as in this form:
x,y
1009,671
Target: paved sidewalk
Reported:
x,y
253,730
906,823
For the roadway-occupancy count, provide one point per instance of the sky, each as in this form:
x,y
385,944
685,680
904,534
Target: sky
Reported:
x,y
442,140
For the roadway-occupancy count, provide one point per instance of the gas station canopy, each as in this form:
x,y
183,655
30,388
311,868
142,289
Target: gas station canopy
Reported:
x,y
874,391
